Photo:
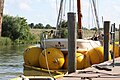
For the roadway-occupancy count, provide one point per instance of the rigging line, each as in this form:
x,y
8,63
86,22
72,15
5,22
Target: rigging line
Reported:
x,y
69,5
46,59
73,5
96,15
61,15
57,7
93,17
60,10
89,16
97,6
97,9
64,8
92,12
102,21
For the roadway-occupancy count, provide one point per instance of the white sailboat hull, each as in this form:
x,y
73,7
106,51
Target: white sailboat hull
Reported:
x,y
63,44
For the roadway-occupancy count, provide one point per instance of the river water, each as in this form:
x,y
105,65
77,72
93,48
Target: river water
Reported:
x,y
11,61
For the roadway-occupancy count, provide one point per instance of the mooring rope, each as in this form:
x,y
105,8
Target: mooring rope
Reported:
x,y
46,59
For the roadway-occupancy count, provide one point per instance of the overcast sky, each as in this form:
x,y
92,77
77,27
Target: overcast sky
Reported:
x,y
45,11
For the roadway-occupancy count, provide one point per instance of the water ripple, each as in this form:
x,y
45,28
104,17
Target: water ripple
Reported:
x,y
11,61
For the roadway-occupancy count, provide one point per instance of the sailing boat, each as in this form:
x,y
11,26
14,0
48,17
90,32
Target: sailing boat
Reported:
x,y
62,44
52,54
49,45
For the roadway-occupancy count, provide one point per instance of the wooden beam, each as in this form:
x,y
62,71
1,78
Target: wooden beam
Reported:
x,y
79,19
71,42
106,40
119,40
1,14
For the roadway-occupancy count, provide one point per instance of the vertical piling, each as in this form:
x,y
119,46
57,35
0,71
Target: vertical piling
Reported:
x,y
79,19
119,40
113,42
71,42
1,14
106,40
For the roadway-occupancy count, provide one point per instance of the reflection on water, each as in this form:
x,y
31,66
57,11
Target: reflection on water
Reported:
x,y
11,61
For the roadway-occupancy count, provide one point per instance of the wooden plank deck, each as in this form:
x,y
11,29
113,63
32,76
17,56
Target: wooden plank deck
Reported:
x,y
108,72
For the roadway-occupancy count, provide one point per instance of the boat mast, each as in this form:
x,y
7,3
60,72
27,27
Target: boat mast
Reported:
x,y
79,19
1,14
58,19
96,15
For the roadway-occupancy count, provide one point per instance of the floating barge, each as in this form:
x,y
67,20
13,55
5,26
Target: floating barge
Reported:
x,y
103,71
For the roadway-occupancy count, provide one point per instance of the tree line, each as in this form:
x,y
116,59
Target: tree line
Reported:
x,y
18,29
15,28
40,26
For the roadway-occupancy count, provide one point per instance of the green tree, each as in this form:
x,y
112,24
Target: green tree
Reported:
x,y
15,28
48,26
63,29
63,24
84,28
31,25
39,26
93,28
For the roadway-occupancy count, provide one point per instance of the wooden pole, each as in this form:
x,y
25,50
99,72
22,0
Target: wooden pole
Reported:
x,y
106,40
1,14
119,40
113,42
79,19
71,42
112,32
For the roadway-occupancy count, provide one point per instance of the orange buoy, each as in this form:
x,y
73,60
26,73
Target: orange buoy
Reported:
x,y
53,57
31,55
